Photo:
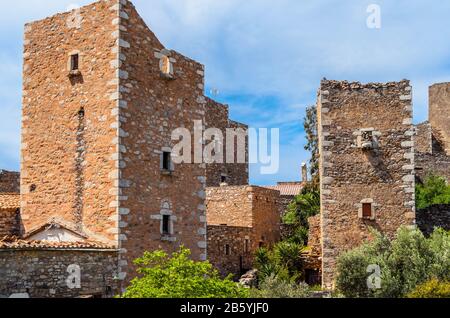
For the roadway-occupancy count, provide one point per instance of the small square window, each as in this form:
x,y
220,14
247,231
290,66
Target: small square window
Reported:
x,y
166,158
367,210
166,225
74,62
223,179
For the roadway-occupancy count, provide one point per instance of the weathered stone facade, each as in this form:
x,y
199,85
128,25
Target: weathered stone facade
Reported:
x,y
9,182
439,106
219,171
432,137
102,98
240,220
9,214
433,217
366,164
43,273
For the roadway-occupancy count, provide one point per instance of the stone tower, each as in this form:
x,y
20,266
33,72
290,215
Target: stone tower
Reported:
x,y
366,164
101,97
439,114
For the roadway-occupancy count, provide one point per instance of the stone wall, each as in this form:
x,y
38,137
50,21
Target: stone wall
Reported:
x,y
43,273
435,216
366,164
160,91
239,260
68,121
9,182
9,222
439,113
436,163
237,214
234,173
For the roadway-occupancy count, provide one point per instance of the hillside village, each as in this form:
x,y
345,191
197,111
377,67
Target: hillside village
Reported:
x,y
99,184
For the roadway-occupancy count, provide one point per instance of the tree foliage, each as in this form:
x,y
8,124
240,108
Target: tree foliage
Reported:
x,y
431,289
177,276
312,145
434,190
406,262
304,206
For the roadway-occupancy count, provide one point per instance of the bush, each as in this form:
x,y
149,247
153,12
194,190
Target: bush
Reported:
x,y
283,261
405,262
273,287
431,289
434,190
178,276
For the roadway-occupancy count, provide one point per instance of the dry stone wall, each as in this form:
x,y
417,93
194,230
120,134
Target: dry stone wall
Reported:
x,y
9,182
367,164
44,273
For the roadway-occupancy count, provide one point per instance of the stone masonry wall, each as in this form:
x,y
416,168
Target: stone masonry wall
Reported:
x,y
352,177
152,104
236,214
217,116
435,216
239,259
9,222
68,121
439,113
43,273
9,182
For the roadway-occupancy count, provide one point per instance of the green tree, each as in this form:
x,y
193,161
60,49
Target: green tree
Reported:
x,y
434,190
406,262
304,206
162,276
312,145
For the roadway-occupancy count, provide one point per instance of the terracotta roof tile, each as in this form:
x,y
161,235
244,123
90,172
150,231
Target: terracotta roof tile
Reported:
x,y
9,201
288,189
12,242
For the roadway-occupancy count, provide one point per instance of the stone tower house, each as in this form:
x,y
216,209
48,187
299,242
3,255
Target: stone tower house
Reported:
x,y
366,164
439,116
101,98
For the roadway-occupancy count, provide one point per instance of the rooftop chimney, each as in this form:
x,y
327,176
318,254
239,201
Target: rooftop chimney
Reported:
x,y
304,172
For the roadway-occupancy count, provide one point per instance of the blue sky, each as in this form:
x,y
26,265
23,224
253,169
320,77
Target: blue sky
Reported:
x,y
265,58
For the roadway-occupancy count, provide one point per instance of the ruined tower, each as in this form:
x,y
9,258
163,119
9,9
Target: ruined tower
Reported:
x,y
366,164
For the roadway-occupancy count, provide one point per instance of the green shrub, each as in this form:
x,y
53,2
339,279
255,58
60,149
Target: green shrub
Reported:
x,y
405,262
161,276
283,261
432,289
434,190
273,287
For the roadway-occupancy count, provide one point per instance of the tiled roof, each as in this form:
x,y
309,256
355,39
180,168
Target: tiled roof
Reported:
x,y
9,201
12,242
288,189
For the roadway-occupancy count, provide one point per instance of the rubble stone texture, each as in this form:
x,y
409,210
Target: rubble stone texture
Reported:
x,y
351,176
9,182
44,273
439,113
94,138
244,218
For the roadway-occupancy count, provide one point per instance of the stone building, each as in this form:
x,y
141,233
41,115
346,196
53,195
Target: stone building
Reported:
x,y
99,180
9,182
432,140
366,164
241,219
